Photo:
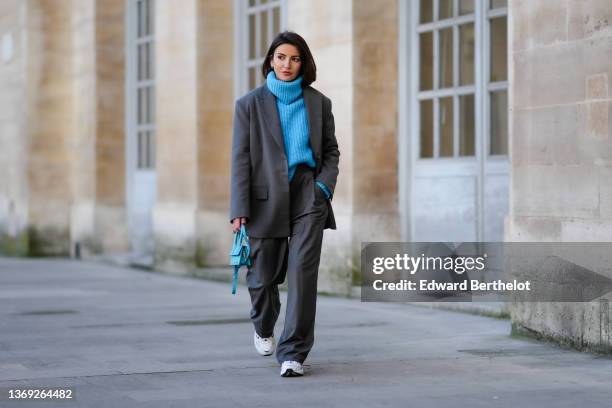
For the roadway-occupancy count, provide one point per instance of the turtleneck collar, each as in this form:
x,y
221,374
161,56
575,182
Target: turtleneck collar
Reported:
x,y
286,92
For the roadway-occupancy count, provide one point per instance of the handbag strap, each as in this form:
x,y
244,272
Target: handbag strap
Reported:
x,y
235,279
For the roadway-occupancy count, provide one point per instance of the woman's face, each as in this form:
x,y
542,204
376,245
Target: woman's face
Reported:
x,y
286,62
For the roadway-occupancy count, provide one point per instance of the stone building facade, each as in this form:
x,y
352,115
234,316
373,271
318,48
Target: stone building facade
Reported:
x,y
561,148
457,120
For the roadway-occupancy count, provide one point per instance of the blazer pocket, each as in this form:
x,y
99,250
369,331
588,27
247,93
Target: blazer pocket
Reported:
x,y
260,192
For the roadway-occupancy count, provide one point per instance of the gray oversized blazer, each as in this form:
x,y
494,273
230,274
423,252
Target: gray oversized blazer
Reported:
x,y
259,178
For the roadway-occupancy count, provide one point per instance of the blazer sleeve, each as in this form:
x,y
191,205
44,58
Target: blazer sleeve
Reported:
x,y
241,163
329,149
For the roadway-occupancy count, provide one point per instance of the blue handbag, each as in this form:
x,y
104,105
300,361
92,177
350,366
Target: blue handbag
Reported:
x,y
240,254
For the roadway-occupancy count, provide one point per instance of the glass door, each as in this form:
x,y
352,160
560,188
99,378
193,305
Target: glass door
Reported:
x,y
459,130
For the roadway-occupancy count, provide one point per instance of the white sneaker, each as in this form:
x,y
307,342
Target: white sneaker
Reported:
x,y
264,345
291,369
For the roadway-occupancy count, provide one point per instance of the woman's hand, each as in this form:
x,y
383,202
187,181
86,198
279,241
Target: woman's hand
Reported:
x,y
236,223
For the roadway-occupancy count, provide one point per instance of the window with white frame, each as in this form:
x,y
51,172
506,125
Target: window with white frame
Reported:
x,y
143,83
462,51
260,21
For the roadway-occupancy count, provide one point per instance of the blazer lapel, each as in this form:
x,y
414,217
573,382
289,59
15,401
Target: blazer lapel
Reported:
x,y
271,116
315,121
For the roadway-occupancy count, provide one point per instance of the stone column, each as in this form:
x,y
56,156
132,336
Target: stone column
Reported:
x,y
13,128
375,129
98,215
174,218
83,143
50,124
111,221
215,93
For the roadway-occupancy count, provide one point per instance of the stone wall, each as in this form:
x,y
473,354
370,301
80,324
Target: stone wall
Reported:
x,y
174,218
49,118
561,151
375,124
13,128
83,143
98,217
215,110
63,127
110,170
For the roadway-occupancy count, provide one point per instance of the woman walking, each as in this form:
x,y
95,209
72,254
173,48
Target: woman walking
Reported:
x,y
284,170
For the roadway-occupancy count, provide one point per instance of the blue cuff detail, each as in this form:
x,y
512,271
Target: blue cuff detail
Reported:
x,y
325,189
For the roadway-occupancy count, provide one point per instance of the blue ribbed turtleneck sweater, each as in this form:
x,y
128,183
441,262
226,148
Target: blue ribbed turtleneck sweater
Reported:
x,y
294,123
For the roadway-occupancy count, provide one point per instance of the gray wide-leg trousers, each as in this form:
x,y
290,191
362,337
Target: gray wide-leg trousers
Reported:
x,y
297,259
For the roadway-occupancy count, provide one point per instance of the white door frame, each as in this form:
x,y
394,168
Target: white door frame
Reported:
x,y
409,118
133,173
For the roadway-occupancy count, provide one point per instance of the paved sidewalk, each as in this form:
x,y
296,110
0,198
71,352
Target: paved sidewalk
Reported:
x,y
130,338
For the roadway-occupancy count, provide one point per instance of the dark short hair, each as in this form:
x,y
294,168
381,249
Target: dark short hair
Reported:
x,y
308,69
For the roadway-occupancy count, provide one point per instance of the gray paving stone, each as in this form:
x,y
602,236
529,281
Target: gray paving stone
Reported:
x,y
131,338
